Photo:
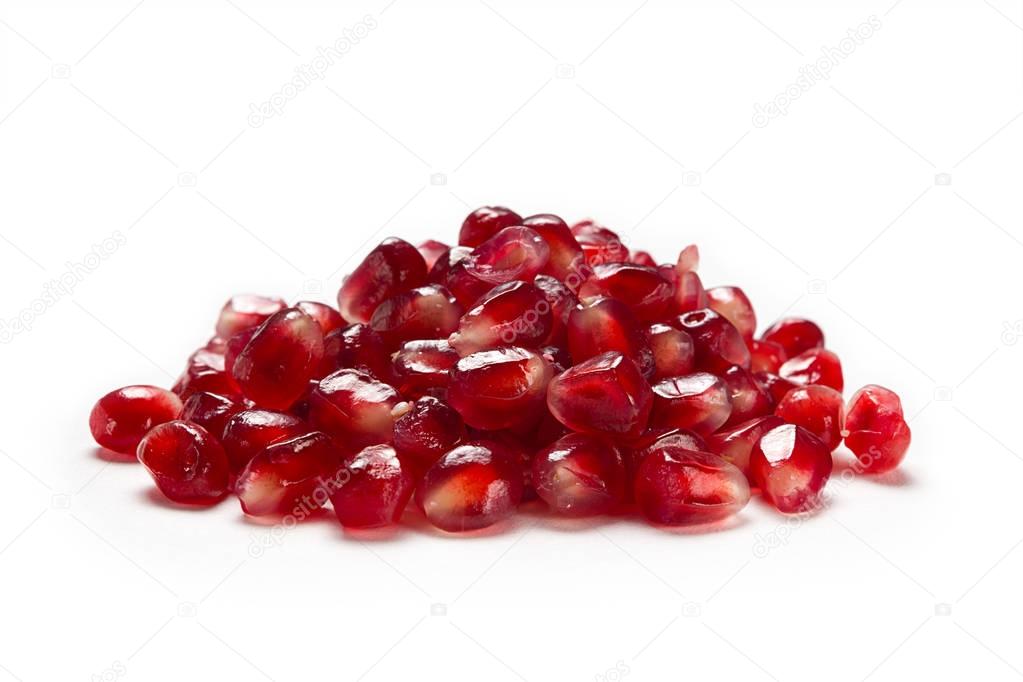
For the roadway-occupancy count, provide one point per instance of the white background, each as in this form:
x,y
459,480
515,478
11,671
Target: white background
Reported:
x,y
133,117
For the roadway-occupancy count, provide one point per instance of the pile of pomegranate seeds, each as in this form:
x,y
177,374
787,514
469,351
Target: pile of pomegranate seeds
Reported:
x,y
533,360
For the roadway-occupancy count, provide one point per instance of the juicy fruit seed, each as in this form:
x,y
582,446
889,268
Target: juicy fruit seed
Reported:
x,y
513,253
423,366
580,475
464,285
870,402
500,388
818,409
643,258
733,304
484,223
698,402
562,302
249,432
791,466
245,311
427,312
277,363
795,335
599,244
472,486
718,344
373,489
121,418
766,356
643,289
443,264
210,411
356,346
749,398
292,477
676,486
605,395
328,318
206,372
689,293
775,386
515,313
354,407
876,431
688,259
187,464
430,428
431,251
815,366
603,325
392,267
735,445
565,253
673,351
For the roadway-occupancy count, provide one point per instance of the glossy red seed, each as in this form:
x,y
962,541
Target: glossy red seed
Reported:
x,y
566,256
422,366
676,486
234,347
206,372
512,314
876,431
327,317
292,477
643,289
749,398
717,342
766,356
580,475
248,433
562,302
431,250
210,411
484,223
374,488
216,344
274,368
514,253
818,409
735,444
605,395
430,428
599,244
392,267
354,407
472,486
121,418
245,311
689,293
465,286
673,351
358,347
643,258
775,386
815,366
733,304
427,312
795,335
688,260
698,402
499,388
439,271
791,466
602,325
187,464
869,403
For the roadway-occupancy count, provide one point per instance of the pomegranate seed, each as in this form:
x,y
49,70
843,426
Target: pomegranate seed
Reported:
x,y
484,223
327,317
565,252
599,244
513,253
515,313
698,402
121,418
791,466
602,325
427,312
815,366
282,356
580,475
766,356
472,486
430,428
643,258
291,477
375,490
500,388
431,251
562,302
643,289
357,346
749,398
354,407
689,292
210,411
736,444
605,395
244,311
795,335
205,372
234,347
672,350
818,409
717,342
249,432
422,366
464,285
732,304
688,260
636,449
775,386
876,431
188,465
443,264
392,267
676,486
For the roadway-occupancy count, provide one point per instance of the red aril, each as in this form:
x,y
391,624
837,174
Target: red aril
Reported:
x,y
327,317
580,475
795,335
499,388
514,253
766,356
688,260
121,418
717,342
605,395
274,368
791,466
354,407
565,253
775,386
512,314
245,311
430,428
689,293
735,444
643,258
206,372
676,486
291,478
643,289
392,267
374,488
187,464
248,433
484,223
210,411
420,367
599,245
698,402
603,325
426,312
749,398
733,304
672,349
562,302
356,346
818,409
876,431
444,263
815,366
431,250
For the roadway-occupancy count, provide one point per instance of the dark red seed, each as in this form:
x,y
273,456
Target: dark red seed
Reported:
x,y
698,402
676,486
358,347
735,444
818,409
293,477
484,223
643,289
274,368
643,258
562,302
439,271
512,314
689,293
791,466
514,253
327,317
673,351
245,311
602,325
688,260
499,388
373,489
599,244
466,287
354,407
392,267
717,342
815,366
775,386
876,431
605,395
766,356
430,428
431,250
121,418
234,347
580,475
206,372
210,411
188,465
749,398
565,253
427,312
422,366
795,335
248,433
733,304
